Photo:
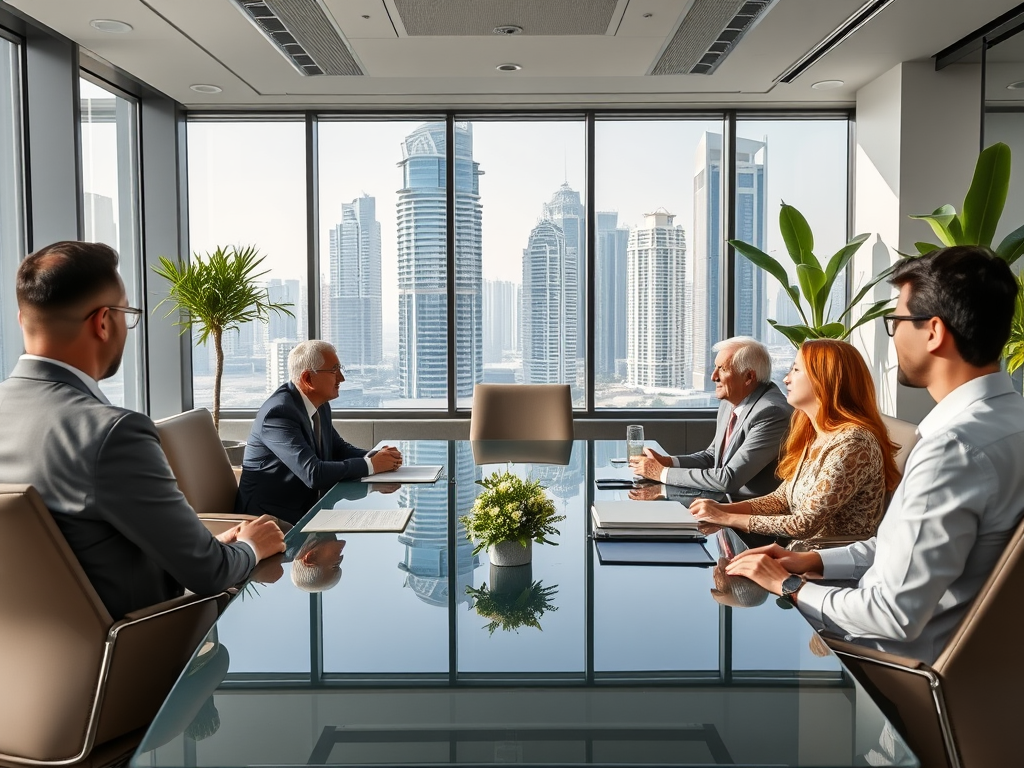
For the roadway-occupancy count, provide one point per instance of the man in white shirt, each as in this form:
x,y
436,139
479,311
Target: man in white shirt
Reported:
x,y
100,469
752,421
962,493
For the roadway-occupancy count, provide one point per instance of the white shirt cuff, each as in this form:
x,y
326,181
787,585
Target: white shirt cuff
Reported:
x,y
811,600
837,563
663,478
369,465
251,546
675,461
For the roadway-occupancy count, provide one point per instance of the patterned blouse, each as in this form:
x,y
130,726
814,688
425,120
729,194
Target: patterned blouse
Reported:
x,y
838,489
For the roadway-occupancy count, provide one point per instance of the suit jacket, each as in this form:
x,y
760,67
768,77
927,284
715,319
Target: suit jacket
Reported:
x,y
102,474
282,473
748,467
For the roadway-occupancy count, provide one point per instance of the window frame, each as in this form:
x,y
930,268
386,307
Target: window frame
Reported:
x,y
21,220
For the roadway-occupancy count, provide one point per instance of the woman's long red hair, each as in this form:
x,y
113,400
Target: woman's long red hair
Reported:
x,y
842,385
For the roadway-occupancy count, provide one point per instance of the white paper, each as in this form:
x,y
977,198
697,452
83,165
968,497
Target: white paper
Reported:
x,y
411,473
359,520
642,514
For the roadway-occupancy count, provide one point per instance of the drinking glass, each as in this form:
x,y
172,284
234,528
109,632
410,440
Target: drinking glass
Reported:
x,y
634,441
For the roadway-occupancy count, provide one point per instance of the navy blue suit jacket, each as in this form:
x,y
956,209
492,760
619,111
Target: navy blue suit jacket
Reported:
x,y
282,474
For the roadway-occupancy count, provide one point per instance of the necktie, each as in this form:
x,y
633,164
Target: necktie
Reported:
x,y
728,437
316,434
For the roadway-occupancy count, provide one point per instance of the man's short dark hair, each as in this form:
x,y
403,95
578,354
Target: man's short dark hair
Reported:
x,y
972,291
66,274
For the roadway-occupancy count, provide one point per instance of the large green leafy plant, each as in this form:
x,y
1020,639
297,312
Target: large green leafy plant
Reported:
x,y
810,295
216,294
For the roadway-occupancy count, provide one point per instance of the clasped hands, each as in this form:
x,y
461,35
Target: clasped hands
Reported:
x,y
769,566
386,459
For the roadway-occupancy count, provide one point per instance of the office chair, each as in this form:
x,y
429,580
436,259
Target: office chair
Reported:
x,y
521,412
201,467
962,710
904,434
73,678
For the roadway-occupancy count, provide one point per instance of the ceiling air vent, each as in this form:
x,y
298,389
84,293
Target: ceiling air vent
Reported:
x,y
303,33
707,34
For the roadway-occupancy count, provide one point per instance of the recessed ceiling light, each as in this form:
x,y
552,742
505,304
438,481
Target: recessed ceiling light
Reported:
x,y
113,26
827,85
206,88
1017,86
509,67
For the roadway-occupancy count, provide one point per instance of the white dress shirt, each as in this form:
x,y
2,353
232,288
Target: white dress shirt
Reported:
x,y
311,410
961,497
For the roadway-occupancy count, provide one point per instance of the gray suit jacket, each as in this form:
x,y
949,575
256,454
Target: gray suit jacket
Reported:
x,y
748,467
103,476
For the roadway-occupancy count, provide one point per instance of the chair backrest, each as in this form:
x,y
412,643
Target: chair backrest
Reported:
x,y
980,666
53,627
521,412
904,434
199,462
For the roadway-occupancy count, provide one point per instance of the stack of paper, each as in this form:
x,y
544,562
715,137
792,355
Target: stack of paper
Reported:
x,y
359,520
643,519
410,473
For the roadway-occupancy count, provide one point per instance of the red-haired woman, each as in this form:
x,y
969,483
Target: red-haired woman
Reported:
x,y
837,464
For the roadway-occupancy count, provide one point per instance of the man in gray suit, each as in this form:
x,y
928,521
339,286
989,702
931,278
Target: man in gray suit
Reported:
x,y
752,422
100,469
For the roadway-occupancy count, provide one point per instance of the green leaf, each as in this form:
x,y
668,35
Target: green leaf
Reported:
x,y
876,310
811,279
837,263
940,221
762,260
797,235
795,333
883,275
832,331
922,249
985,199
1012,246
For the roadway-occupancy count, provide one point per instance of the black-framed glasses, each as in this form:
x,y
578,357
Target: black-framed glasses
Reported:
x,y
132,315
891,320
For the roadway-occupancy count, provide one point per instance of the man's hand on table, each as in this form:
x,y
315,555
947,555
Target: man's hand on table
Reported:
x,y
263,534
650,464
769,566
386,459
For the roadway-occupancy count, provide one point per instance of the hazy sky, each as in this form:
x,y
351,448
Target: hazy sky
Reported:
x,y
247,181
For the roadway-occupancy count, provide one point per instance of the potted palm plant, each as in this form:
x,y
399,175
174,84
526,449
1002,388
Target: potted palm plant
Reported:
x,y
216,294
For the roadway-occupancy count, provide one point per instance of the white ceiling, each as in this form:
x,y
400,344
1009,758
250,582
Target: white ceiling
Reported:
x,y
176,43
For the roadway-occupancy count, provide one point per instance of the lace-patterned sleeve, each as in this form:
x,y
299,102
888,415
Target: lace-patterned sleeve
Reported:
x,y
774,503
840,492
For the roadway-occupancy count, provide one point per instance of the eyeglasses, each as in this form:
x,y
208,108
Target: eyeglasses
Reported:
x,y
131,314
891,320
336,370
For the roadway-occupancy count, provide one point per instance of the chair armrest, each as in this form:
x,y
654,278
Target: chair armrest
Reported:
x,y
871,655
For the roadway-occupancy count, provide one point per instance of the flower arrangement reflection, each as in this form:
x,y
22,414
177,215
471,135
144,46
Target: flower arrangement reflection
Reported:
x,y
511,509
514,600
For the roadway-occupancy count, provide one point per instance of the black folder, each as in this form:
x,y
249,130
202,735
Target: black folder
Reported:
x,y
653,553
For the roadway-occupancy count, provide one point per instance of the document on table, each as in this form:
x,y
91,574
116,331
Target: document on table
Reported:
x,y
410,473
643,514
359,521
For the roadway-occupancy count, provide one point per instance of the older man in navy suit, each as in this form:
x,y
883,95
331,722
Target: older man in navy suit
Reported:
x,y
294,454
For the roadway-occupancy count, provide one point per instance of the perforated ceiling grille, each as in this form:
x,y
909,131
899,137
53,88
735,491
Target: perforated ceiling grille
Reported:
x,y
707,34
302,32
480,17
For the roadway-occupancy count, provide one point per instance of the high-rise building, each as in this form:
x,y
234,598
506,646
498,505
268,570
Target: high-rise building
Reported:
x,y
567,211
550,300
708,236
282,326
422,260
277,364
655,303
99,220
356,329
501,319
610,297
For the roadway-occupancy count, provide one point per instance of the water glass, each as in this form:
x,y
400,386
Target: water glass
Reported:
x,y
634,441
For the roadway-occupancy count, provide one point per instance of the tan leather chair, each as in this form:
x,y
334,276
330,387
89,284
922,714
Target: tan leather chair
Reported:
x,y
73,677
904,434
963,710
521,412
200,465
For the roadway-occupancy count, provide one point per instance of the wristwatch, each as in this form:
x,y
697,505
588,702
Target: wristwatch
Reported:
x,y
790,586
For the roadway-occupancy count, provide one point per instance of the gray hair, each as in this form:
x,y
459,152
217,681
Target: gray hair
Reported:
x,y
748,354
307,356
314,577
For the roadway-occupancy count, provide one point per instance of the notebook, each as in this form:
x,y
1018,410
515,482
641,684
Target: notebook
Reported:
x,y
653,553
410,473
670,515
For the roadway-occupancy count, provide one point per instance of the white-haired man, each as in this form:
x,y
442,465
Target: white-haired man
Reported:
x,y
752,421
294,453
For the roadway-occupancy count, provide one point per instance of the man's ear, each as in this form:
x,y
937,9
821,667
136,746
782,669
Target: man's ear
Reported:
x,y
938,334
100,323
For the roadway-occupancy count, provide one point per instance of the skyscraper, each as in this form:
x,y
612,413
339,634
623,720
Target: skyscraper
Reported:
x,y
550,300
708,238
501,319
566,210
655,303
610,299
422,258
281,326
356,328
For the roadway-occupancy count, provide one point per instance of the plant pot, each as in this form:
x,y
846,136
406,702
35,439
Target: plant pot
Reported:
x,y
508,553
511,580
235,451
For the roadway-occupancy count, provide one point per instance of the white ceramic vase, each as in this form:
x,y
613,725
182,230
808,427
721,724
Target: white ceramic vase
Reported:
x,y
510,553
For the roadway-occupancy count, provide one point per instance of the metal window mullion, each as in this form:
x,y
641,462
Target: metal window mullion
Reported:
x,y
312,227
450,311
590,294
728,202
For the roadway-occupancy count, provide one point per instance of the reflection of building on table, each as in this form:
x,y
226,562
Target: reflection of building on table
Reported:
x,y
426,536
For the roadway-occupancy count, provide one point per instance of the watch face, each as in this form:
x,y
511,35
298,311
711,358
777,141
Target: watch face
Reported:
x,y
791,585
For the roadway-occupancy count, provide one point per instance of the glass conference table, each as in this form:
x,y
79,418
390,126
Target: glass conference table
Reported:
x,y
424,654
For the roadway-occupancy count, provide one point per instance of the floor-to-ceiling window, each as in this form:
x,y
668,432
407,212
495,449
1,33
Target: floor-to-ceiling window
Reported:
x,y
247,187
110,208
12,217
